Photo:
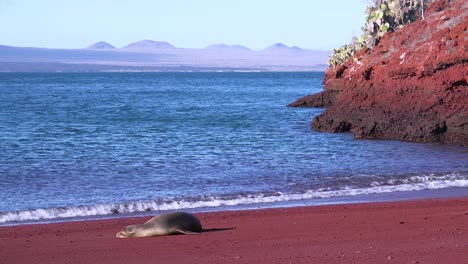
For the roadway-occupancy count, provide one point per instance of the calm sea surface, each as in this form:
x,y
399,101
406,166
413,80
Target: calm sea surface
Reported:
x,y
96,144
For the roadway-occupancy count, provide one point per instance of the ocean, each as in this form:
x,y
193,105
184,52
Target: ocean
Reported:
x,y
92,145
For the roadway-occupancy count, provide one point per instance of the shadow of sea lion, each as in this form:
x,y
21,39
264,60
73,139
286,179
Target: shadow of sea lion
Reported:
x,y
217,229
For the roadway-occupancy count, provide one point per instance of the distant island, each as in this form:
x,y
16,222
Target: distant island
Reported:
x,y
151,55
149,45
101,45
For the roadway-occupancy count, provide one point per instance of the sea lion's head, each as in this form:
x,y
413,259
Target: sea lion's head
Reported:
x,y
128,231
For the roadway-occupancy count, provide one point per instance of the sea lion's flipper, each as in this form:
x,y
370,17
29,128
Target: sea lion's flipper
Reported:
x,y
187,232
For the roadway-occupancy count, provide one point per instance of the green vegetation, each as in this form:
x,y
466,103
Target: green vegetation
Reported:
x,y
342,54
383,16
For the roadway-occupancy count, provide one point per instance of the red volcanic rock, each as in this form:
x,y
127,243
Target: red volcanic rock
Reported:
x,y
324,99
412,86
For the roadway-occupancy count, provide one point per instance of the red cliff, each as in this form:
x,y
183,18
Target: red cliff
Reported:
x,y
411,86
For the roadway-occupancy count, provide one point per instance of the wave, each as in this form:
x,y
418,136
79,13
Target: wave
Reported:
x,y
412,183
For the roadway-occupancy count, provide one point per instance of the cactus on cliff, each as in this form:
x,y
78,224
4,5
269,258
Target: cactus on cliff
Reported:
x,y
383,16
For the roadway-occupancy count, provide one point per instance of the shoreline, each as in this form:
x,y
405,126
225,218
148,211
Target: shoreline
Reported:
x,y
453,192
415,231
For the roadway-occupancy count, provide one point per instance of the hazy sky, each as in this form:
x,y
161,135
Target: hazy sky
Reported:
x,y
313,24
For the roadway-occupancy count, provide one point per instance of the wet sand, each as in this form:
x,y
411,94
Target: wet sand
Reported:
x,y
421,231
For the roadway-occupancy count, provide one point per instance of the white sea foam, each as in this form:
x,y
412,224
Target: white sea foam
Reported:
x,y
414,183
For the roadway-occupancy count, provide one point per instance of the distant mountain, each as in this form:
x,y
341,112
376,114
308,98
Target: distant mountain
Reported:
x,y
226,47
161,56
101,45
278,45
281,47
149,45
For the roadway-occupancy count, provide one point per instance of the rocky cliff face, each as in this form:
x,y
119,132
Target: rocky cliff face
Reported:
x,y
412,86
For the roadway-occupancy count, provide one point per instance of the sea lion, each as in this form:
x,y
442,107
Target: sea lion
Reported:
x,y
164,224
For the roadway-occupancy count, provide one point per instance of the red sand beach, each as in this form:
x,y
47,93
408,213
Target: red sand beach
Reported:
x,y
422,231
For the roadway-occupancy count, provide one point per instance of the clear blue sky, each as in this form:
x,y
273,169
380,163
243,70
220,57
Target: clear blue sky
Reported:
x,y
313,24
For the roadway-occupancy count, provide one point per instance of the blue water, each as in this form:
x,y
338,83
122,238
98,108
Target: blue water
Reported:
x,y
87,144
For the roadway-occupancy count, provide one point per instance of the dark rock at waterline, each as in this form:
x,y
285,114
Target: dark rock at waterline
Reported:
x,y
323,99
